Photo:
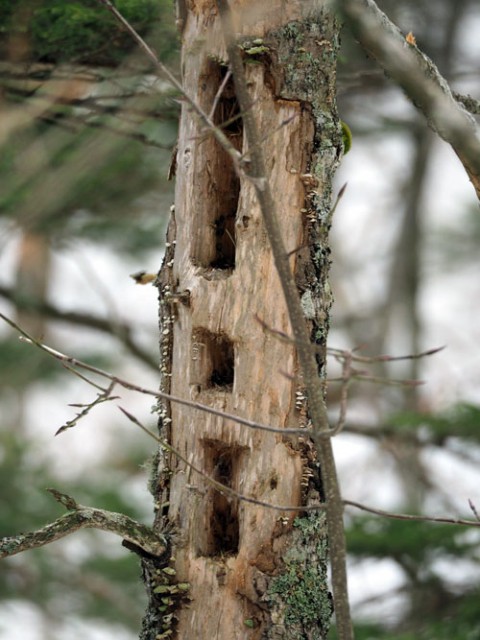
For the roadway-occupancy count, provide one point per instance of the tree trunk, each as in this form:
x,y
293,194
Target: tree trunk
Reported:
x,y
248,571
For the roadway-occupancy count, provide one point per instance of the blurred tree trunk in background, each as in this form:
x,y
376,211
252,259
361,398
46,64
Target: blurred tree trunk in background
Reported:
x,y
402,314
32,275
31,283
399,321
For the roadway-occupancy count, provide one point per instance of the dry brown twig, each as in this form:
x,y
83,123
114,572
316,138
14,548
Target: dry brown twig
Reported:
x,y
205,119
349,373
473,509
222,488
139,535
346,380
105,395
120,330
412,518
70,363
218,95
382,358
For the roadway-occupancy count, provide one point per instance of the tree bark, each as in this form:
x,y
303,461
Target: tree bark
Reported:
x,y
248,571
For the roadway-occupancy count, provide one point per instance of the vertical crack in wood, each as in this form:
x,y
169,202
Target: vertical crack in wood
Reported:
x,y
216,248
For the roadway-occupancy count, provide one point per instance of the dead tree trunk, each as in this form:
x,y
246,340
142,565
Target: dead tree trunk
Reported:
x,y
249,571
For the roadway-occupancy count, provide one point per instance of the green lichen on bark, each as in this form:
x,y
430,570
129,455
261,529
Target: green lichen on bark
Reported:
x,y
304,51
303,69
300,600
165,595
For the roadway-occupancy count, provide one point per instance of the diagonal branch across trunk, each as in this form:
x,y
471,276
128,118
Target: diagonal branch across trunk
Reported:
x,y
418,76
311,379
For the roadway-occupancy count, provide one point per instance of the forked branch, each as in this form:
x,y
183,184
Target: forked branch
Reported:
x,y
138,536
71,363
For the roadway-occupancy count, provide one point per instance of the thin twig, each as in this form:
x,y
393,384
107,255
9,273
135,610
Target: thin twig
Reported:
x,y
363,376
74,362
206,120
268,134
221,488
346,379
474,509
222,86
342,354
339,353
81,376
104,396
413,518
77,123
383,358
119,330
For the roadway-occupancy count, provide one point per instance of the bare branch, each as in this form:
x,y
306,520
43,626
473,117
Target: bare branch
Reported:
x,y
205,119
344,353
341,355
362,376
74,362
382,358
413,518
411,69
104,396
218,486
80,517
77,123
218,95
474,509
346,379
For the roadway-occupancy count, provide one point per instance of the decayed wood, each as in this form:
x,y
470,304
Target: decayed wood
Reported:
x,y
229,551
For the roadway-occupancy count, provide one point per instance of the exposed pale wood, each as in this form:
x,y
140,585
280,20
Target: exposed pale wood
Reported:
x,y
227,302
229,564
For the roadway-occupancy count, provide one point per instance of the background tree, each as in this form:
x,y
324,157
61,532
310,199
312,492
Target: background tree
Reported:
x,y
414,260
85,151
